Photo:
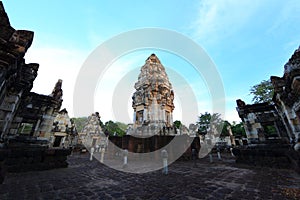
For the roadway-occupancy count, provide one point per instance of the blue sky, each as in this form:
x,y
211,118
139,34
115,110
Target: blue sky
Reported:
x,y
247,40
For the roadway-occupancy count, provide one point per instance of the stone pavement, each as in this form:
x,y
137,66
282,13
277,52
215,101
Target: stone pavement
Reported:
x,y
85,179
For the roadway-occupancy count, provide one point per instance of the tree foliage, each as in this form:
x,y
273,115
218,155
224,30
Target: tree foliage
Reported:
x,y
206,120
177,124
225,127
79,122
113,128
262,92
122,126
238,129
110,127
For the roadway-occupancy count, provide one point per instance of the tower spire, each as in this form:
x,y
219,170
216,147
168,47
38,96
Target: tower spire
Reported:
x,y
152,101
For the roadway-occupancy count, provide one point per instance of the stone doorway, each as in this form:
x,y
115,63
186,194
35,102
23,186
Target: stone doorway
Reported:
x,y
57,141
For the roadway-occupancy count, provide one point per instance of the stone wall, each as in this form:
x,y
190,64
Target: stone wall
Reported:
x,y
287,95
257,117
17,104
20,107
268,155
35,158
154,143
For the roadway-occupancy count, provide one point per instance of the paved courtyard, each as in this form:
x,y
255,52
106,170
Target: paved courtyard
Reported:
x,y
85,179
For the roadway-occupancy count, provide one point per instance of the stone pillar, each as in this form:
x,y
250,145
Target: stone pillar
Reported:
x,y
145,114
8,110
47,121
36,128
134,117
232,141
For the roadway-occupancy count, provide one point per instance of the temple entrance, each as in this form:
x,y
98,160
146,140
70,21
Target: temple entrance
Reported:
x,y
57,141
94,141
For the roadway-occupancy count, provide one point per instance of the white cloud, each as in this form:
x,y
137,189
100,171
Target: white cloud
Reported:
x,y
221,18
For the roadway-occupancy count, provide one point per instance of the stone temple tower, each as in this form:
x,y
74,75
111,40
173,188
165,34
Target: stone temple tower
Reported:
x,y
153,99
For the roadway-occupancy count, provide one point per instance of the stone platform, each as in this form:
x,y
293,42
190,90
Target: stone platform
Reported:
x,y
145,145
27,157
268,155
85,179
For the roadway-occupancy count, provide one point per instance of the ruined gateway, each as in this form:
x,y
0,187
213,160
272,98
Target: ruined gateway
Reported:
x,y
283,113
282,116
24,115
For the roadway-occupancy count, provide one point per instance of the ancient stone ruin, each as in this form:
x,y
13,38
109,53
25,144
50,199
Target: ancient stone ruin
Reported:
x,y
258,119
92,134
287,96
282,116
64,132
152,101
24,115
153,107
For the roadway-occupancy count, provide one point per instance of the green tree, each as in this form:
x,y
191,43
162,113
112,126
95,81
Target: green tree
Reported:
x,y
204,123
177,124
122,126
238,129
262,92
225,124
206,120
79,122
112,128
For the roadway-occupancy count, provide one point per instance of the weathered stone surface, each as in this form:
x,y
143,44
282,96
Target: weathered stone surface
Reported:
x,y
17,104
21,109
27,158
64,133
153,99
283,114
257,117
92,134
286,96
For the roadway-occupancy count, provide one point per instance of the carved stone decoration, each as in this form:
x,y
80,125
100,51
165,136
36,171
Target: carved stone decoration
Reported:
x,y
284,111
287,95
18,106
153,99
26,118
92,134
57,91
63,130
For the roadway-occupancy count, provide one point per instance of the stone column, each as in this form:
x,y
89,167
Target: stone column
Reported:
x,y
47,121
232,141
145,114
8,110
134,117
36,129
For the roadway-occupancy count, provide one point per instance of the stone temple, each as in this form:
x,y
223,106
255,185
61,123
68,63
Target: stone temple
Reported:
x,y
152,101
